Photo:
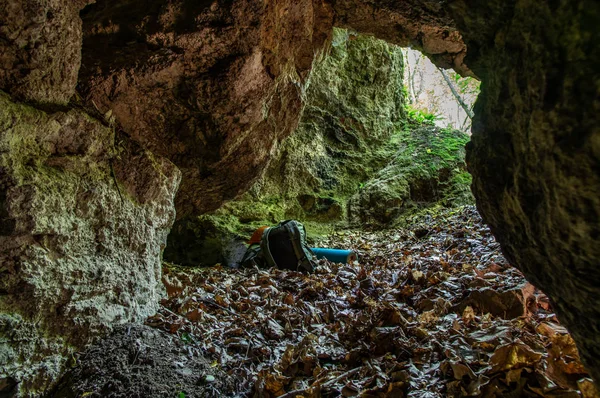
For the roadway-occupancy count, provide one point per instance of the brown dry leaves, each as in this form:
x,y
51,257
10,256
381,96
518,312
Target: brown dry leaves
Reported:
x,y
430,311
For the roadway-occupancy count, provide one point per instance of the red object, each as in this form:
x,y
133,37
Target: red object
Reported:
x,y
257,235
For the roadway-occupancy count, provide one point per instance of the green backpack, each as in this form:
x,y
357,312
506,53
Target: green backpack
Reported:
x,y
282,246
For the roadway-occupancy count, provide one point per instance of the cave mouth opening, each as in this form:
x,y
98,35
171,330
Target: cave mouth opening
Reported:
x,y
386,179
86,225
381,137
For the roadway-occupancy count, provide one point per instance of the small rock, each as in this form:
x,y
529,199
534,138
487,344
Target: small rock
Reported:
x,y
421,232
185,372
209,379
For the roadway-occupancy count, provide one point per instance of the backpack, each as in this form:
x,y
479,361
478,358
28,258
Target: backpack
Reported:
x,y
282,246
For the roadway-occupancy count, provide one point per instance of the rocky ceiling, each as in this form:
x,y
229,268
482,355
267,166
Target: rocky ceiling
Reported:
x,y
214,86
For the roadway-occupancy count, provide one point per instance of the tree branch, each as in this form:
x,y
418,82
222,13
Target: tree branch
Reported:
x,y
461,102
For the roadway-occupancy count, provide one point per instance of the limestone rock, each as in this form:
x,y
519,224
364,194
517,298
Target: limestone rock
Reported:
x,y
427,168
40,48
535,152
211,85
353,104
422,24
214,86
84,217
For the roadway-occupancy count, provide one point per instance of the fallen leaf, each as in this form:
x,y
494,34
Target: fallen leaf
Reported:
x,y
512,356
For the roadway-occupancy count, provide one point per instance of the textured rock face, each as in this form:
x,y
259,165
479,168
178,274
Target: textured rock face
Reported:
x,y
423,24
353,105
428,168
83,220
40,48
212,85
535,152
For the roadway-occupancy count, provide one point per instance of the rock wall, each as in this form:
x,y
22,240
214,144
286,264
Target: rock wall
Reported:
x,y
535,152
425,25
214,86
211,85
40,42
84,212
84,217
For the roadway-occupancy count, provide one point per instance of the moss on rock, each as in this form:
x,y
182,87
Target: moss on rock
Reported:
x,y
428,168
355,156
82,229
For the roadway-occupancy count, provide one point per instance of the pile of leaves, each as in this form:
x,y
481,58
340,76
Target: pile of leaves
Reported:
x,y
431,310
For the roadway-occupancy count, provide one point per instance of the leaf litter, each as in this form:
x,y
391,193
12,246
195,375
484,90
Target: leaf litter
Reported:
x,y
430,310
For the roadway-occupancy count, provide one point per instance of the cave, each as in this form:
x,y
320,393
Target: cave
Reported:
x,y
120,121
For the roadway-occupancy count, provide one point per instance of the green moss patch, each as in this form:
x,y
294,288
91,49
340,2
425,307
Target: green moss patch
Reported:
x,y
357,157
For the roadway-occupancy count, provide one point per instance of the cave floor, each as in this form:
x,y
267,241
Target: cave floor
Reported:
x,y
431,310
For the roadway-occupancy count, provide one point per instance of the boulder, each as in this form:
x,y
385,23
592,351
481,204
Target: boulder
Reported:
x,y
40,49
84,217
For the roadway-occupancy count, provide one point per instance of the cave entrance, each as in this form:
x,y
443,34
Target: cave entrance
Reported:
x,y
431,308
441,95
381,138
376,166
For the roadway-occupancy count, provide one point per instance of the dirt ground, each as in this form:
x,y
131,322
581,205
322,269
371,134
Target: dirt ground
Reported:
x,y
140,361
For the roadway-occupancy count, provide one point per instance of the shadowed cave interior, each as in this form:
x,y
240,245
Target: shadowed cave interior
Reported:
x,y
140,140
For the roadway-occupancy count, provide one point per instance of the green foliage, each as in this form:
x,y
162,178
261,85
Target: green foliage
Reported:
x,y
187,338
427,169
421,117
466,85
448,145
464,178
430,148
